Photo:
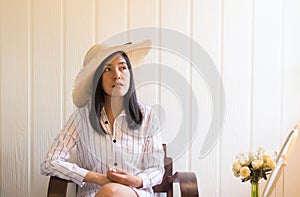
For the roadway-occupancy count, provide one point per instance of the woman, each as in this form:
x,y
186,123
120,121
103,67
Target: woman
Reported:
x,y
117,139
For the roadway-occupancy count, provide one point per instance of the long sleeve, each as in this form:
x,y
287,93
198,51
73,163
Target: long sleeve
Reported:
x,y
153,158
56,162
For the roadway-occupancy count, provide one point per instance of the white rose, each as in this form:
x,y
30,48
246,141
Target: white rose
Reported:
x,y
236,166
270,163
243,159
244,172
257,164
236,173
266,157
252,156
260,150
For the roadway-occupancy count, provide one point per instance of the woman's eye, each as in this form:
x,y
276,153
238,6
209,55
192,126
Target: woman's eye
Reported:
x,y
106,69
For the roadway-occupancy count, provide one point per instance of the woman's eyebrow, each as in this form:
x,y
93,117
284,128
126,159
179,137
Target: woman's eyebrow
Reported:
x,y
120,63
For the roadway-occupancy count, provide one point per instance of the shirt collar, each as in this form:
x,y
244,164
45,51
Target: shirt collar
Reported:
x,y
104,120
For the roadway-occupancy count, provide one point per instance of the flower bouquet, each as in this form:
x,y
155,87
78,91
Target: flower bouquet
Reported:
x,y
253,166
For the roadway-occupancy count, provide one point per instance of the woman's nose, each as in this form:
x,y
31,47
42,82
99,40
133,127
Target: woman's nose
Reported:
x,y
117,75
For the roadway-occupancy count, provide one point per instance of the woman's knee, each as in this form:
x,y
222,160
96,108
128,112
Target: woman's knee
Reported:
x,y
109,189
115,190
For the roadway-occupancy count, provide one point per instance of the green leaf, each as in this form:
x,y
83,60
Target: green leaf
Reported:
x,y
264,176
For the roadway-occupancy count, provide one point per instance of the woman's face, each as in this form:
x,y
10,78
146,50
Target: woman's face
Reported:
x,y
116,76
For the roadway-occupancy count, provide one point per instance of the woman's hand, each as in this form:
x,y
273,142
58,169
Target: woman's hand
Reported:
x,y
123,177
94,177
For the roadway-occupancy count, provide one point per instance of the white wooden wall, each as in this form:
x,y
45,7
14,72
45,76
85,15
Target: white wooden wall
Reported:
x,y
254,44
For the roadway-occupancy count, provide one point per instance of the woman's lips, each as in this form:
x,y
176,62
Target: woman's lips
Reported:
x,y
118,85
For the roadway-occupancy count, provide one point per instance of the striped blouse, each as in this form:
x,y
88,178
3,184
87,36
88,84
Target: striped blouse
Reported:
x,y
139,152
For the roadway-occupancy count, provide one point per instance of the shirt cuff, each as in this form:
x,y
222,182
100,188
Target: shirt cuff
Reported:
x,y
146,180
79,175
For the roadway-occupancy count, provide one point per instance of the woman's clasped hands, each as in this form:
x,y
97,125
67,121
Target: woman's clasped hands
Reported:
x,y
124,178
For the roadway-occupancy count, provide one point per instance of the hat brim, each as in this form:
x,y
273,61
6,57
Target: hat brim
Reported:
x,y
83,84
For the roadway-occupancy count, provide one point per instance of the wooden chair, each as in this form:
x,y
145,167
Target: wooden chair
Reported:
x,y
187,182
281,161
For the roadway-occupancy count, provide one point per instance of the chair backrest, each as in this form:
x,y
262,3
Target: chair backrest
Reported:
x,y
281,161
166,186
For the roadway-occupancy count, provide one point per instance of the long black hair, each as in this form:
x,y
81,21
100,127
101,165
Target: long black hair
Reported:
x,y
133,112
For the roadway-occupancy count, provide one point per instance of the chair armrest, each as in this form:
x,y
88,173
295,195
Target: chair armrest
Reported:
x,y
187,182
57,187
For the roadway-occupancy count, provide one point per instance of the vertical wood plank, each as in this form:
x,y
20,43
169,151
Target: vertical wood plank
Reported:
x,y
79,38
291,93
176,18
1,128
237,79
291,68
112,18
207,23
46,26
267,77
14,84
142,13
2,14
145,14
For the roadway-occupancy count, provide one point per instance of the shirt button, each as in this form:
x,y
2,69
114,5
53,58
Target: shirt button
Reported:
x,y
114,140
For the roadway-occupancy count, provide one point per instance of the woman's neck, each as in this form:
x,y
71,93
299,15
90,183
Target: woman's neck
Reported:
x,y
113,107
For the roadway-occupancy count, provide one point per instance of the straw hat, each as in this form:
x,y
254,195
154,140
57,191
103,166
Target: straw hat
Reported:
x,y
83,85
